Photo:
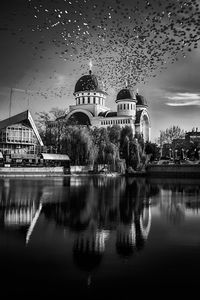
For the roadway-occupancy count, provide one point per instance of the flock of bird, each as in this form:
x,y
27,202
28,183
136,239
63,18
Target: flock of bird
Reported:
x,y
127,41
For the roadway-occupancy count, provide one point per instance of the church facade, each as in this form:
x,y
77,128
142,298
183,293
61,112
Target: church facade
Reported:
x,y
90,107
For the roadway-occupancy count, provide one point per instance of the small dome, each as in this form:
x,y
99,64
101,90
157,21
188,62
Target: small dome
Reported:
x,y
141,100
125,94
88,83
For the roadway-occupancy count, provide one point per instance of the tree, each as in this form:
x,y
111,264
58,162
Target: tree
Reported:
x,y
101,140
50,126
171,133
125,138
152,150
114,134
78,143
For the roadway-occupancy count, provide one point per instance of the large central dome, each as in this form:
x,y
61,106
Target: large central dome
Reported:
x,y
88,83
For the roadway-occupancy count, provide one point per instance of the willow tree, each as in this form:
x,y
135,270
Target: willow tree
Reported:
x,y
77,142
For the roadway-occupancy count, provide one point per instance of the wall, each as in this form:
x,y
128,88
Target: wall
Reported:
x,y
173,170
25,172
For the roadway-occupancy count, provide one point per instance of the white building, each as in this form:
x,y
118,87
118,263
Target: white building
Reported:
x,y
90,107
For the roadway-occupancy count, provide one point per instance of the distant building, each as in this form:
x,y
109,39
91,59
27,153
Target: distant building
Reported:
x,y
183,147
19,134
193,136
90,107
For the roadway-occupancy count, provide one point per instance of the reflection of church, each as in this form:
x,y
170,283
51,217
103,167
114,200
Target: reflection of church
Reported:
x,y
92,221
90,107
124,220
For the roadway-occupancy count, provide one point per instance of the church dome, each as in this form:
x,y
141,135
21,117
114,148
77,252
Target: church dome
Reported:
x,y
88,83
141,100
125,94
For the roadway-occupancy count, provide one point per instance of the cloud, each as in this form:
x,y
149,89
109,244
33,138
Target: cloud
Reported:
x,y
183,99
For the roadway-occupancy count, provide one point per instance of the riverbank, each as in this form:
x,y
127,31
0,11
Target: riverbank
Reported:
x,y
161,171
48,172
137,174
174,170
31,171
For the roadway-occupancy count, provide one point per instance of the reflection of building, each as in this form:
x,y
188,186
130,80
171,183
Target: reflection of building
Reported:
x,y
19,209
90,109
19,134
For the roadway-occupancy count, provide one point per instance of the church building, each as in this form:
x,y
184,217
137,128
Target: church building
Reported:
x,y
90,107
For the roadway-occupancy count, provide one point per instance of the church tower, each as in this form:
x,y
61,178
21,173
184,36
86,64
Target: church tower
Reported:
x,y
126,103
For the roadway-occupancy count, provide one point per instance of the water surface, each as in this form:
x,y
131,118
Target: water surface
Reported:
x,y
98,236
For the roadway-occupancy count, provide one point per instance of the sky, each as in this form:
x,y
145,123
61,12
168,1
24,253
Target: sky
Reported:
x,y
46,46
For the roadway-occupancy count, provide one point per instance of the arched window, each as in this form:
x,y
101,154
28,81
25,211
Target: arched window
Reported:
x,y
127,106
83,100
88,99
124,106
94,100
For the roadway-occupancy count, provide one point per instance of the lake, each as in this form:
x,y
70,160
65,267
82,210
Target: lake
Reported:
x,y
98,236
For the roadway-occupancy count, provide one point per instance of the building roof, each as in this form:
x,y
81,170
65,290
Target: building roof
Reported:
x,y
141,100
88,83
126,94
107,114
52,156
111,114
24,118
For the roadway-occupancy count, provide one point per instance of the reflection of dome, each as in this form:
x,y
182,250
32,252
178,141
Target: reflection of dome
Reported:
x,y
87,261
141,100
124,248
125,94
88,250
125,243
88,83
85,255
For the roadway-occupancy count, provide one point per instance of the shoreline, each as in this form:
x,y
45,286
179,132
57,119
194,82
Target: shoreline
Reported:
x,y
157,171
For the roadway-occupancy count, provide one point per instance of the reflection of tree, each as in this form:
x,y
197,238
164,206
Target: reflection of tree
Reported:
x,y
173,210
73,212
177,198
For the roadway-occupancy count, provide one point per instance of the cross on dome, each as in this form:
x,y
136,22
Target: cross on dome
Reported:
x,y
90,65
